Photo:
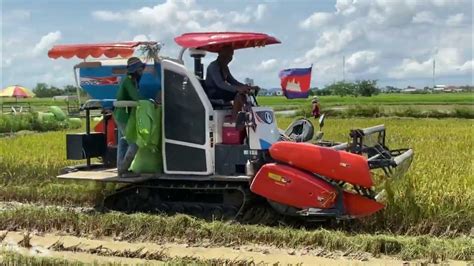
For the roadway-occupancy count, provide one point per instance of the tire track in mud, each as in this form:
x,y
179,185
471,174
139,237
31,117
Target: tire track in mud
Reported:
x,y
106,249
136,228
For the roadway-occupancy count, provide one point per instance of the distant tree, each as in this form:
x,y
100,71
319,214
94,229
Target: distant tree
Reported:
x,y
40,87
366,88
72,90
392,89
262,92
341,88
467,88
323,92
43,90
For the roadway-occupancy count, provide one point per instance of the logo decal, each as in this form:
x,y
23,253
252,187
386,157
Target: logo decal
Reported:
x,y
265,116
345,165
278,178
113,80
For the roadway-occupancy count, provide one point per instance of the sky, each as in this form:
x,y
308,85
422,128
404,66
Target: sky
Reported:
x,y
392,41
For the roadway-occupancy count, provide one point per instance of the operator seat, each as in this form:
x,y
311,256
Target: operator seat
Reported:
x,y
217,104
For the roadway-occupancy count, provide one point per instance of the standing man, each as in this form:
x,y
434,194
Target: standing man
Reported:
x,y
128,91
222,85
315,108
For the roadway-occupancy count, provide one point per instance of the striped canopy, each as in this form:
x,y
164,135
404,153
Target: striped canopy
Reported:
x,y
17,92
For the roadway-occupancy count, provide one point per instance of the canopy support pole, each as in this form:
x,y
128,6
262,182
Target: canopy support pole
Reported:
x,y
78,86
181,53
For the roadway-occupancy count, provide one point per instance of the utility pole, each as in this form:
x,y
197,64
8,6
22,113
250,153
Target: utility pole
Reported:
x,y
434,67
343,68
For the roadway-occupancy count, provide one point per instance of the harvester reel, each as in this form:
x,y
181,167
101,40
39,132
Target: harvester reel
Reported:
x,y
301,130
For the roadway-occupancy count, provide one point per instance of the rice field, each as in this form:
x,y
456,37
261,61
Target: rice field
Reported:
x,y
434,198
464,98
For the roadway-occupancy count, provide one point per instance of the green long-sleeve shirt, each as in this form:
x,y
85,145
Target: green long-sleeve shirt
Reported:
x,y
128,91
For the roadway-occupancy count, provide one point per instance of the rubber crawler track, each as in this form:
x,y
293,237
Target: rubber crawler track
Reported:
x,y
211,200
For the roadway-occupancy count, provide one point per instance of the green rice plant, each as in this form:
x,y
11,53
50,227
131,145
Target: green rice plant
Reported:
x,y
13,123
31,121
464,113
434,197
364,111
380,99
373,111
17,258
65,193
408,112
32,157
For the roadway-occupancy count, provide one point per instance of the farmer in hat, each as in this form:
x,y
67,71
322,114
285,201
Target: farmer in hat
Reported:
x,y
315,109
128,91
222,85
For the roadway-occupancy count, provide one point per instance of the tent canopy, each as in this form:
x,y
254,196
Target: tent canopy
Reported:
x,y
111,50
214,41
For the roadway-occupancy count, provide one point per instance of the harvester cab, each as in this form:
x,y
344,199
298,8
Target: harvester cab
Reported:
x,y
250,170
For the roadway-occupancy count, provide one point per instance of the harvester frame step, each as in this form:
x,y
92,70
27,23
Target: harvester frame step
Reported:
x,y
111,175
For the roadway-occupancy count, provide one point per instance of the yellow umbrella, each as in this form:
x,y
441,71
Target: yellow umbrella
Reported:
x,y
17,92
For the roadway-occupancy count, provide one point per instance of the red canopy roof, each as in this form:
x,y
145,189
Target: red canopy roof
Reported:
x,y
214,41
123,49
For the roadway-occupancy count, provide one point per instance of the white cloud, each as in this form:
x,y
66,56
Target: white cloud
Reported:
x,y
410,68
331,41
46,42
6,62
391,41
267,65
318,19
260,11
140,38
361,61
106,15
172,17
467,67
386,39
448,63
449,56
455,20
239,18
424,17
16,16
345,7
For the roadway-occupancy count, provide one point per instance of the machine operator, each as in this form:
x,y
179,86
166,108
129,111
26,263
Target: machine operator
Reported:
x,y
222,85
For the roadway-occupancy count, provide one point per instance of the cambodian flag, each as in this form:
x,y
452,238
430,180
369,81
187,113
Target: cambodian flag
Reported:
x,y
295,82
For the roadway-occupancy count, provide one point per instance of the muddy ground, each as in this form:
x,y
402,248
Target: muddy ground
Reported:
x,y
104,250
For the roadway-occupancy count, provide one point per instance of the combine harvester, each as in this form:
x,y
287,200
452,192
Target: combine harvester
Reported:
x,y
271,172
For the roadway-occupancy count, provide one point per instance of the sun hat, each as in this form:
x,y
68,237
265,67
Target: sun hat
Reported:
x,y
315,99
133,64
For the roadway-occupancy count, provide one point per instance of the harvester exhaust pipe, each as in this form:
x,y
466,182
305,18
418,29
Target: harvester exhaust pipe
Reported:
x,y
198,66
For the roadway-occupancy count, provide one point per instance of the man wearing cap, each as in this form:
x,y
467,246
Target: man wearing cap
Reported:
x,y
128,91
315,110
222,85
